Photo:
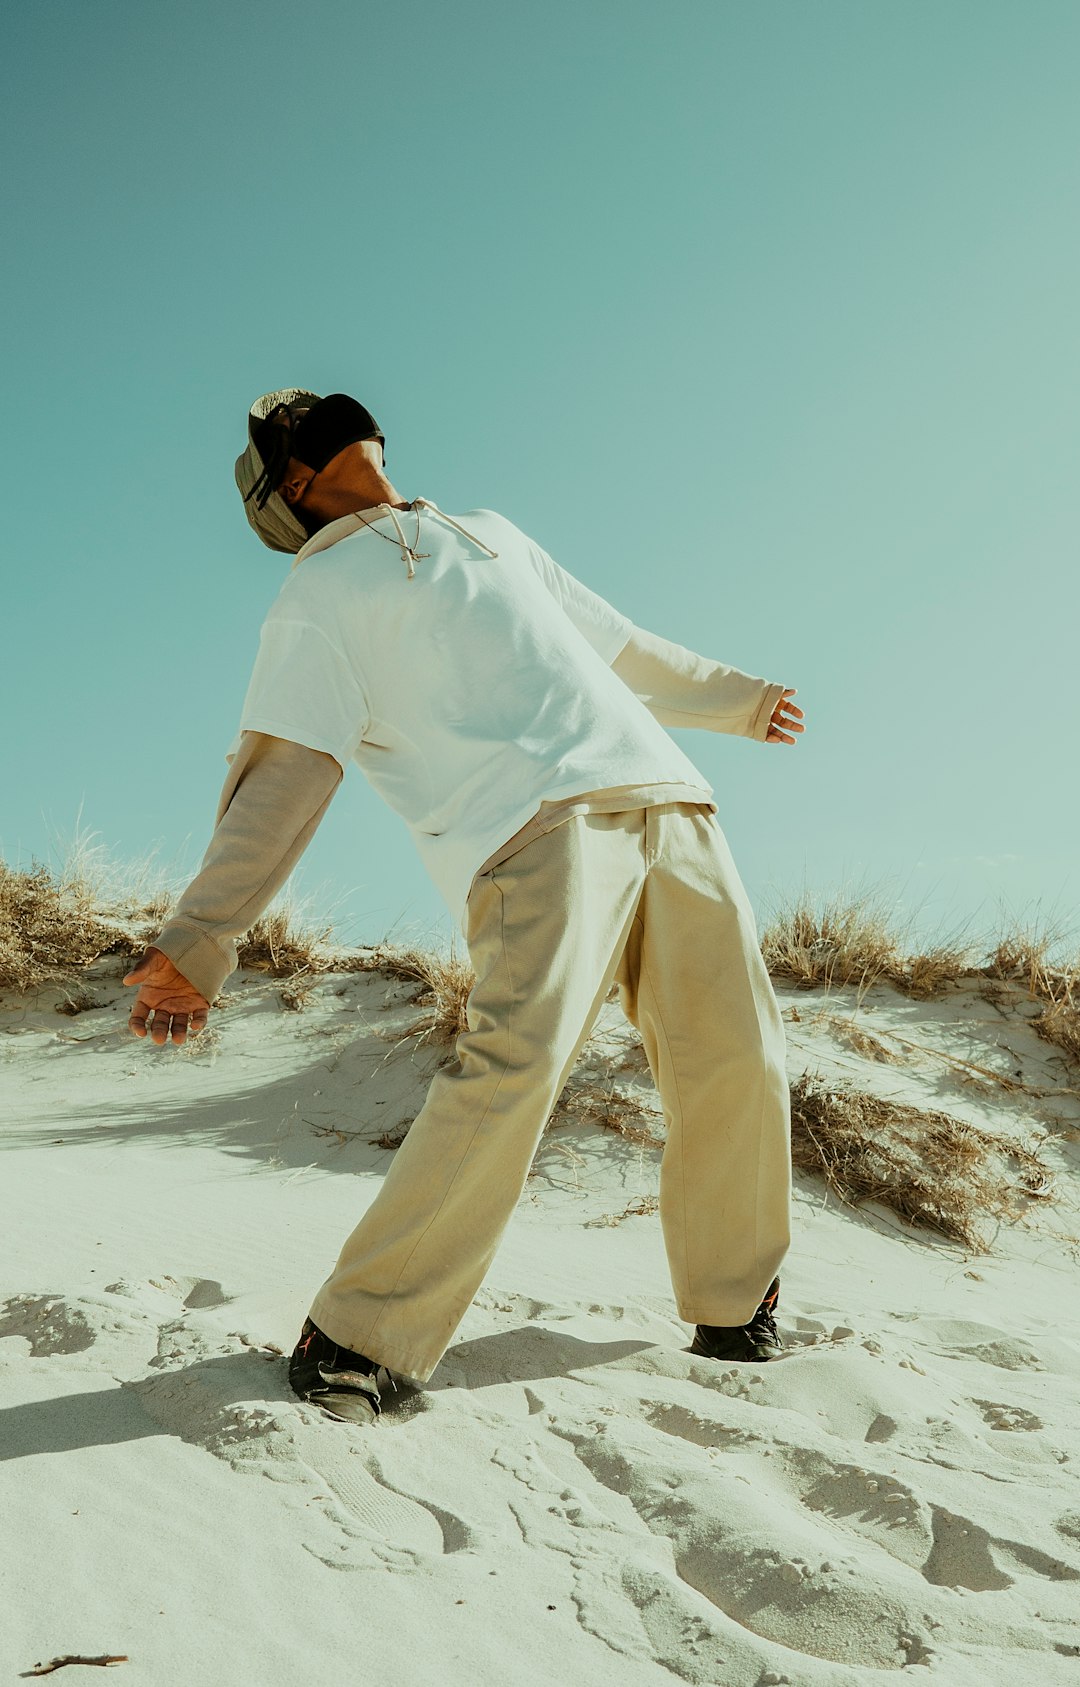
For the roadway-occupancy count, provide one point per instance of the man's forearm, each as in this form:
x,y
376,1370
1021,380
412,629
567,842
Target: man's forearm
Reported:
x,y
681,688
273,800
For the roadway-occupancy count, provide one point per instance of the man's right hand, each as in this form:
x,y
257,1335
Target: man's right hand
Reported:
x,y
783,721
169,996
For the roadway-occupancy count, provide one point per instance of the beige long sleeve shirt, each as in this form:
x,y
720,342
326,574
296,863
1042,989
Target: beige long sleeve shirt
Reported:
x,y
277,791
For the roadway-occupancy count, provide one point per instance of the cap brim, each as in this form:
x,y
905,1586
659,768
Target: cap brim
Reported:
x,y
275,523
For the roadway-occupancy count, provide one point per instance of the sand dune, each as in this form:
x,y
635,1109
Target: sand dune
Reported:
x,y
573,1495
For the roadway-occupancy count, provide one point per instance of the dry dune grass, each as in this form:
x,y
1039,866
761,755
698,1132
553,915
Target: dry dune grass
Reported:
x,y
1059,1023
444,983
1021,957
640,1207
49,929
862,1041
855,941
282,946
593,1103
933,1170
52,927
930,1168
981,1078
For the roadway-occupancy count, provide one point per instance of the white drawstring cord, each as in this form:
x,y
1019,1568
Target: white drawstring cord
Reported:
x,y
408,554
428,505
406,550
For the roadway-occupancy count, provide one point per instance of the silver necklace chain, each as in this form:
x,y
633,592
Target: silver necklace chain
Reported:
x,y
414,554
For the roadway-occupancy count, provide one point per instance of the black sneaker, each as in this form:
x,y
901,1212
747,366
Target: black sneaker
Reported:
x,y
343,1384
757,1341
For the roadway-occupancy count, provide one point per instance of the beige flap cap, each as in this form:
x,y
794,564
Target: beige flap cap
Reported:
x,y
274,522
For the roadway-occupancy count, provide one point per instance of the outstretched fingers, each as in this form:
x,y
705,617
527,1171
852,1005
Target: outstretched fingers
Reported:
x,y
786,718
162,1022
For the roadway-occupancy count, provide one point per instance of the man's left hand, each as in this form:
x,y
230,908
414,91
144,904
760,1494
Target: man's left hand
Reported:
x,y
168,995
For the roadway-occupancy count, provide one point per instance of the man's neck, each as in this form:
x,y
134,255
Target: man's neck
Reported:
x,y
372,494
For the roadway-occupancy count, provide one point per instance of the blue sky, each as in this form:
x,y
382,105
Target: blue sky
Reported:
x,y
760,318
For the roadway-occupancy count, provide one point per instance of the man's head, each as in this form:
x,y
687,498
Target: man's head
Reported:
x,y
307,460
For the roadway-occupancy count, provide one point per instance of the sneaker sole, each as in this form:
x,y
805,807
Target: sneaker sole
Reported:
x,y
762,1356
343,1395
737,1358
347,1405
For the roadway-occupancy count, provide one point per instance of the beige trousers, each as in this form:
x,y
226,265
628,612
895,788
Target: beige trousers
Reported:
x,y
647,897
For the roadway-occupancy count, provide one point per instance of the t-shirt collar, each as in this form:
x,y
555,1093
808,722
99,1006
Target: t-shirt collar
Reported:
x,y
342,527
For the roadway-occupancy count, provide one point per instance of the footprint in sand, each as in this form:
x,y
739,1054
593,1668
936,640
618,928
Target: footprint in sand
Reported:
x,y
522,1307
48,1323
965,1555
957,1338
813,1595
999,1416
870,1564
195,1293
696,1428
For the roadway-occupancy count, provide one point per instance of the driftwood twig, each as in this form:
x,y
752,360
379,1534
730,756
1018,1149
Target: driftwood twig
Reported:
x,y
76,1658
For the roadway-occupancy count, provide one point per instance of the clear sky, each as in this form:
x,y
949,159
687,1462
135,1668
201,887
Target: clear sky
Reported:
x,y
761,318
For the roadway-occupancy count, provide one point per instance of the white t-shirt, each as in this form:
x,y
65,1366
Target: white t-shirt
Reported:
x,y
467,694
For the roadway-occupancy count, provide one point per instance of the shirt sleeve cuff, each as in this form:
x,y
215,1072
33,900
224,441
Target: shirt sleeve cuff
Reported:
x,y
202,960
759,726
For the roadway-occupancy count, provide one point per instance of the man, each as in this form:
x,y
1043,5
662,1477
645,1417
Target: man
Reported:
x,y
515,720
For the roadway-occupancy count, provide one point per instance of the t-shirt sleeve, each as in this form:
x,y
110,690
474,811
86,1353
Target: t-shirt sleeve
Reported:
x,y
605,627
305,689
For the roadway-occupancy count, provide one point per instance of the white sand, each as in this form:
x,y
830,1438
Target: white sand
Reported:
x,y
572,1497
